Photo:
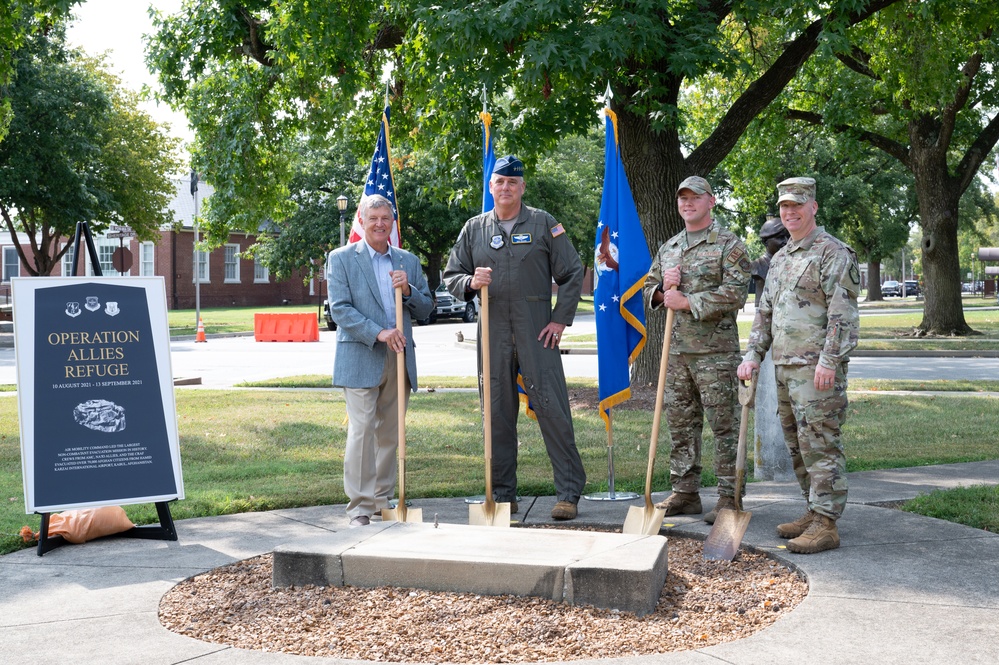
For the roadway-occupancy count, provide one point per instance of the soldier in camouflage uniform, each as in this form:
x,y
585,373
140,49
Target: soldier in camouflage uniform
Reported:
x,y
709,267
808,318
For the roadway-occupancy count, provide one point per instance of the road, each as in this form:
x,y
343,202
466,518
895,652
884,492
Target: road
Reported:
x,y
223,362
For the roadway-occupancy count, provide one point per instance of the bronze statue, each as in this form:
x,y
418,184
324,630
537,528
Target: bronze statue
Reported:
x,y
774,236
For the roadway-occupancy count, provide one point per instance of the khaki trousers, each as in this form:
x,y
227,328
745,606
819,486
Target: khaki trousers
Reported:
x,y
369,460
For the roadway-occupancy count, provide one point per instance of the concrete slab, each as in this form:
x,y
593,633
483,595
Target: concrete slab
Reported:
x,y
608,570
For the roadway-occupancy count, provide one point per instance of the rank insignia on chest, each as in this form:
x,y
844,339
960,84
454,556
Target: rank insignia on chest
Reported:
x,y
520,239
557,230
496,242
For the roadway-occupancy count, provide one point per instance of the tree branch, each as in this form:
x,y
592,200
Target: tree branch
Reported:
x,y
976,153
883,143
765,89
857,61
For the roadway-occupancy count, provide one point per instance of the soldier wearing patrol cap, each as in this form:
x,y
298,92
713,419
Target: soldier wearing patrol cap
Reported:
x,y
517,251
808,319
709,267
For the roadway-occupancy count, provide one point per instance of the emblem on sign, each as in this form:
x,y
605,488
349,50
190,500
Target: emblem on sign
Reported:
x,y
112,309
496,242
73,309
520,239
93,304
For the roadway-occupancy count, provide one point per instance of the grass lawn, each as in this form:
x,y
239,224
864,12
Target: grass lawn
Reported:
x,y
263,449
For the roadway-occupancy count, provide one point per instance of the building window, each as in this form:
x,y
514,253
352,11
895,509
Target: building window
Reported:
x,y
67,263
202,269
146,252
260,272
231,263
106,247
11,263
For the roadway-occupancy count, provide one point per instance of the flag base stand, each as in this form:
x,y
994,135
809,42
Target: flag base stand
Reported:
x,y
611,496
481,498
165,531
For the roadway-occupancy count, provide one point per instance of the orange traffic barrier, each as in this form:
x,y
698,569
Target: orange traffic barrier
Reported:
x,y
200,336
302,327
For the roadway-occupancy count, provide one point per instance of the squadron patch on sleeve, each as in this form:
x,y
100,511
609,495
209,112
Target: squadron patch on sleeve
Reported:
x,y
557,230
855,274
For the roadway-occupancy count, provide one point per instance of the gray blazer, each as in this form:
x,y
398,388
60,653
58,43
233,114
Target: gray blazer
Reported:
x,y
356,307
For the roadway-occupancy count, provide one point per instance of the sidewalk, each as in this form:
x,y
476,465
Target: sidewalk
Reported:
x,y
901,589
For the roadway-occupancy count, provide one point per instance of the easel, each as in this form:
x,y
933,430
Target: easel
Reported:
x,y
166,529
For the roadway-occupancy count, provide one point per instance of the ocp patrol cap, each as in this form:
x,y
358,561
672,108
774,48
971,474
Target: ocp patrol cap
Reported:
x,y
696,184
509,166
799,190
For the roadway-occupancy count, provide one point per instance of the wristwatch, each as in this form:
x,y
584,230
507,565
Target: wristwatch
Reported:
x,y
660,289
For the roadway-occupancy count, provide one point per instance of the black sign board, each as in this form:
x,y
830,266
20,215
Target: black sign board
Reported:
x,y
95,391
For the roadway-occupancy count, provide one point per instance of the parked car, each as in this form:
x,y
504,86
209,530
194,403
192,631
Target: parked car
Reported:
x,y
891,288
448,306
327,317
331,324
912,288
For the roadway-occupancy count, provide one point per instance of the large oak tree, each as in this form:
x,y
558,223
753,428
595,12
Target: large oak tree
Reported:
x,y
78,149
250,73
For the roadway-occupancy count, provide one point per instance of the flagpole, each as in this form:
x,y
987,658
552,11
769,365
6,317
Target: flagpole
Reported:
x,y
612,494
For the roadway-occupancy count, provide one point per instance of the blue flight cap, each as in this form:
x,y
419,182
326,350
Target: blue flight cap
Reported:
x,y
509,166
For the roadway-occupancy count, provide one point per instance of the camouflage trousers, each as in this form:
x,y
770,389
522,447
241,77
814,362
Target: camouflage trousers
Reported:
x,y
811,420
699,385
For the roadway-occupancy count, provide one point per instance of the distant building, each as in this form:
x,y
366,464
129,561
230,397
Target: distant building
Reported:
x,y
227,279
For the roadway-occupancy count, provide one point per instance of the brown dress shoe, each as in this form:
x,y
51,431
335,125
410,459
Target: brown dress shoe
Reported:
x,y
821,535
797,527
564,510
723,503
682,503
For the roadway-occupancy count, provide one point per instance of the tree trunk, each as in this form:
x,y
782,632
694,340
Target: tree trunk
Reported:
x,y
655,166
874,278
938,195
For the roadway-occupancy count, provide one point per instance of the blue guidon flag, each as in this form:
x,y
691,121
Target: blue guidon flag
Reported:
x,y
380,181
621,262
488,160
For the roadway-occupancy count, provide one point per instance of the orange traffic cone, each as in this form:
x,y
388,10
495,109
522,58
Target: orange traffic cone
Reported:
x,y
200,337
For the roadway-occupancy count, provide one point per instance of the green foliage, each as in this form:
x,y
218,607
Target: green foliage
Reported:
x,y
18,20
78,148
976,506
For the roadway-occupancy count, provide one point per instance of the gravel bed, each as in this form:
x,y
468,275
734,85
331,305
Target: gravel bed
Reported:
x,y
703,603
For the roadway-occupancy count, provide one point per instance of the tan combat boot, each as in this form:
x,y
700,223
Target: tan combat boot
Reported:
x,y
821,535
723,503
797,527
681,503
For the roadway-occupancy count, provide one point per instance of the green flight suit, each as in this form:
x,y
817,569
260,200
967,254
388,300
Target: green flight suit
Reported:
x,y
524,263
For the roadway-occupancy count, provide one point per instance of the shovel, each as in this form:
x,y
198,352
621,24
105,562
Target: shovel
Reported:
x,y
488,513
649,520
730,526
400,513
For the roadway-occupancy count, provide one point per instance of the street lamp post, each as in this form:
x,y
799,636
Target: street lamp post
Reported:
x,y
341,205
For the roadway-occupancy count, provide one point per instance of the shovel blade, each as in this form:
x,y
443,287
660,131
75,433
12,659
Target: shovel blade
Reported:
x,y
726,534
489,514
644,520
402,513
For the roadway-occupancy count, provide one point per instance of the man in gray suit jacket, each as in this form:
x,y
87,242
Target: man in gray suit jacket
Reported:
x,y
361,280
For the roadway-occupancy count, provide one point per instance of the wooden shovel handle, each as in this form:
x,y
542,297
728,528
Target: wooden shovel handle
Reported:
x,y
400,369
487,395
657,413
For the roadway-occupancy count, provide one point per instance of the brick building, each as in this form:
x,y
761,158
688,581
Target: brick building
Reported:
x,y
227,279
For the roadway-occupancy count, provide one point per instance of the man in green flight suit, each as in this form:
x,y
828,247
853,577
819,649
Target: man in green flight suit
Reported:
x,y
517,251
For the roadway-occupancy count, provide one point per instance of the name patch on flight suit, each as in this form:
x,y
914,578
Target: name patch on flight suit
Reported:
x,y
496,242
520,239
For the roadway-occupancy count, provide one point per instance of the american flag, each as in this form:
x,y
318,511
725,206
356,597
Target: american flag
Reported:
x,y
379,181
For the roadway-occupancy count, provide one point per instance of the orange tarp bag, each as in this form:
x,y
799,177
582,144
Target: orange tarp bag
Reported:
x,y
79,526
